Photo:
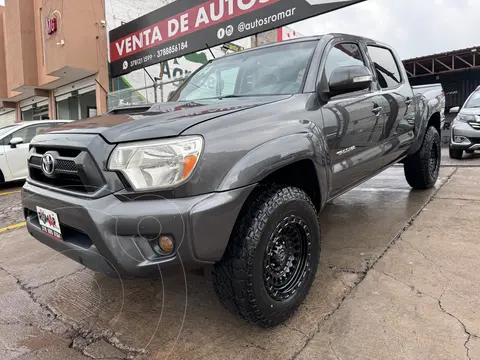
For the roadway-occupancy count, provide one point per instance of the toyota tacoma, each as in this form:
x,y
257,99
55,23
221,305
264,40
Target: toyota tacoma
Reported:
x,y
232,171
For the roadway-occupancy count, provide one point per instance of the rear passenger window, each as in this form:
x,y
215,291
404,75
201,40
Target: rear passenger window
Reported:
x,y
386,67
346,54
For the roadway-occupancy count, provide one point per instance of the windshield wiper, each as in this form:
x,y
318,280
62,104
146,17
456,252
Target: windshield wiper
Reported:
x,y
232,96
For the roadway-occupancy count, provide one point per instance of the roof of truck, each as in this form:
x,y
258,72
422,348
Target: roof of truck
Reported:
x,y
300,39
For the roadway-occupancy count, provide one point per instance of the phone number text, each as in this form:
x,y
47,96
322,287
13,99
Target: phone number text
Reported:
x,y
172,49
160,53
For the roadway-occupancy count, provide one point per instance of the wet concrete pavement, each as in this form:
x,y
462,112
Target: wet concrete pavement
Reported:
x,y
10,207
468,160
396,281
419,301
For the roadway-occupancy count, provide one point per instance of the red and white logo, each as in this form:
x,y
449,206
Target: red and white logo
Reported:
x,y
51,23
287,33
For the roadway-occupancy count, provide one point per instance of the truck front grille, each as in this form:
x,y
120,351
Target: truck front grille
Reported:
x,y
74,170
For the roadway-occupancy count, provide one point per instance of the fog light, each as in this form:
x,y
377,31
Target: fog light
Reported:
x,y
459,139
166,244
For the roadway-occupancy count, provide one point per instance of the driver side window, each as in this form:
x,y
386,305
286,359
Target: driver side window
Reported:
x,y
27,133
22,133
344,54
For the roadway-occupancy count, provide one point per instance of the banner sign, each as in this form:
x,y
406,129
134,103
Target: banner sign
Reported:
x,y
187,26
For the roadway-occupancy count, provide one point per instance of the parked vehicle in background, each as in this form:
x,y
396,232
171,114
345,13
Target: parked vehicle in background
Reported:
x,y
465,128
233,171
14,146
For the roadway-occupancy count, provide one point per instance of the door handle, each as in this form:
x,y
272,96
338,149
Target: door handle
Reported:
x,y
377,110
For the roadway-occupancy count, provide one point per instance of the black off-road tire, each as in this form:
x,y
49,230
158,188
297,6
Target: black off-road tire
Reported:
x,y
423,167
241,277
455,153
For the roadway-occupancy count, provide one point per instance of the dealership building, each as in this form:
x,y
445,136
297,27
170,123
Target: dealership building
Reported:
x,y
56,55
53,60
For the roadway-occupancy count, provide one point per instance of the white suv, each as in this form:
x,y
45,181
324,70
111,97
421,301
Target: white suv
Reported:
x,y
14,144
465,128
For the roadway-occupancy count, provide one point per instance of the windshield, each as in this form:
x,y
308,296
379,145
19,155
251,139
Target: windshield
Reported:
x,y
474,101
274,70
7,129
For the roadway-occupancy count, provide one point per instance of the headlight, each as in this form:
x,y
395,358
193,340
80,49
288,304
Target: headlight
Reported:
x,y
465,118
158,164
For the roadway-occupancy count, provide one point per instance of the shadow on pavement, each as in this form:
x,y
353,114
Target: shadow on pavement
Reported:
x,y
10,186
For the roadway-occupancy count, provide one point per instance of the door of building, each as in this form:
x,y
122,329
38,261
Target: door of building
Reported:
x,y
76,101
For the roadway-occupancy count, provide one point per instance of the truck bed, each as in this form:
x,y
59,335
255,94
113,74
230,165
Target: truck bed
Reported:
x,y
423,89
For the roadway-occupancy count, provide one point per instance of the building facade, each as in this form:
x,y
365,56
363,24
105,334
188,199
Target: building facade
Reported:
x,y
53,60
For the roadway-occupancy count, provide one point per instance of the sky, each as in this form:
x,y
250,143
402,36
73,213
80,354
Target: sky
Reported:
x,y
2,2
413,27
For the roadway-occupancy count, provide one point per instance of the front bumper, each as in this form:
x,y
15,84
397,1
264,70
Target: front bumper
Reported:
x,y
470,136
115,237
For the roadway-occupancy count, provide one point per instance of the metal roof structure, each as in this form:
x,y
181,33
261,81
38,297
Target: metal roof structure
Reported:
x,y
447,62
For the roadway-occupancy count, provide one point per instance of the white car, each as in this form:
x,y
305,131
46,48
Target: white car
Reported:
x,y
14,147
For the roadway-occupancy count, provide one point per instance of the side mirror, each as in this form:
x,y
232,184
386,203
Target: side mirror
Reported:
x,y
454,110
347,79
15,141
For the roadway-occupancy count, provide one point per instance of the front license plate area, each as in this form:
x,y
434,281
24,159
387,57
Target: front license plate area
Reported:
x,y
49,222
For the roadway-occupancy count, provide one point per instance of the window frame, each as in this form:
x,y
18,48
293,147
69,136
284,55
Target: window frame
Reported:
x,y
395,59
334,45
13,135
26,128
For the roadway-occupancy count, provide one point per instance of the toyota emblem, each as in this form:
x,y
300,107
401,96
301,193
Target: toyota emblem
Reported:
x,y
48,164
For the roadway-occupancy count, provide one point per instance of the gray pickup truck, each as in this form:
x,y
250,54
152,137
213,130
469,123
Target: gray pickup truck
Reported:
x,y
234,169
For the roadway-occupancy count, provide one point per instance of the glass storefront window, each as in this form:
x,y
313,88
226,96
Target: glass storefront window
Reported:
x,y
68,109
38,113
87,101
77,107
27,115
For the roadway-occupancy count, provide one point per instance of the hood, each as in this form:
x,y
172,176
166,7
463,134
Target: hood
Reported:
x,y
163,119
470,111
